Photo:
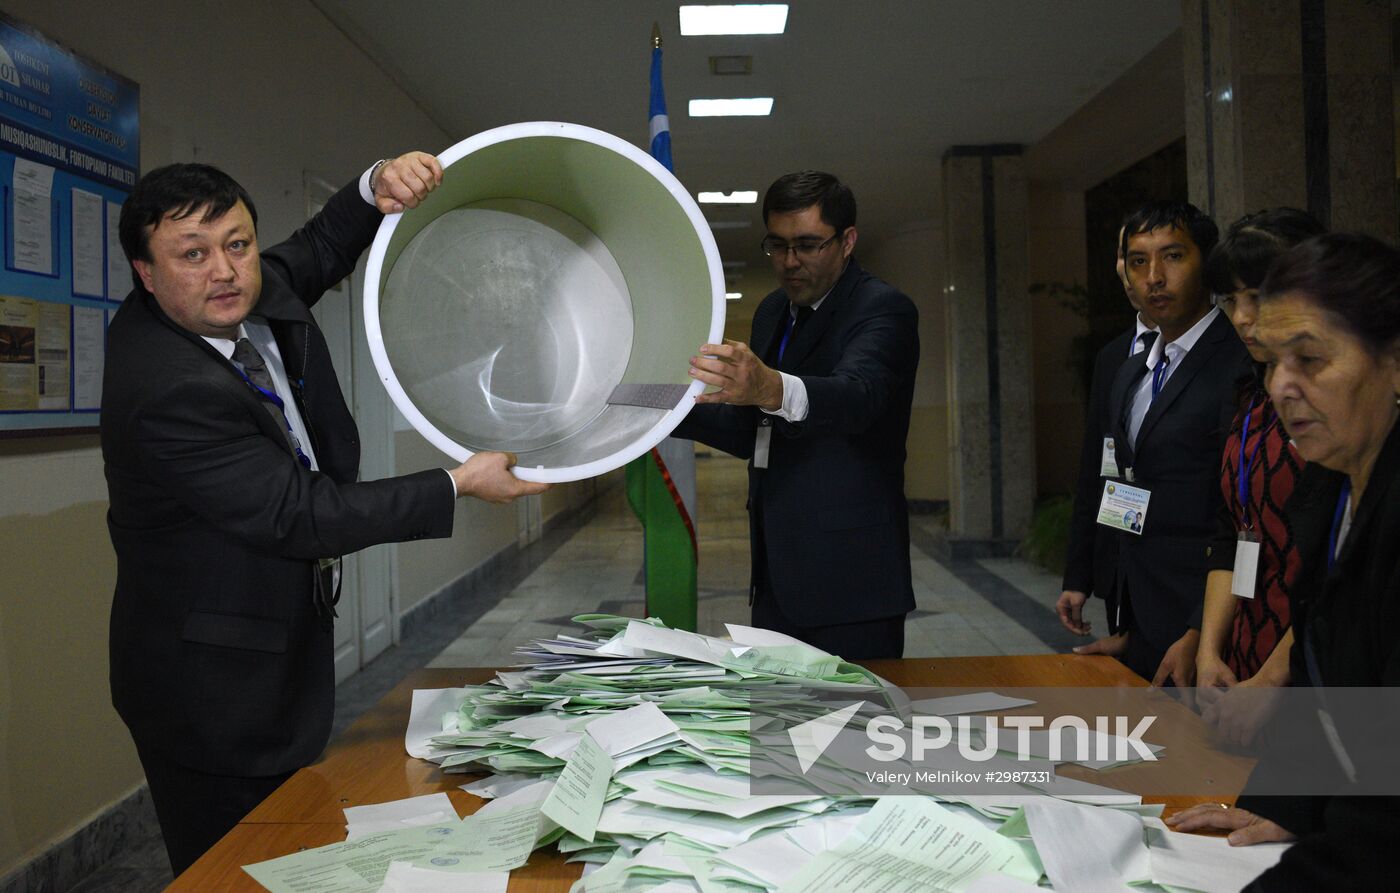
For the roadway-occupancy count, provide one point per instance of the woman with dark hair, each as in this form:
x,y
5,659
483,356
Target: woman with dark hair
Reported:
x,y
1329,323
1245,628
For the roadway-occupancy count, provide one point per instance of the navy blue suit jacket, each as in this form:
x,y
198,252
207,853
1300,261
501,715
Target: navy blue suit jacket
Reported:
x,y
827,517
1177,457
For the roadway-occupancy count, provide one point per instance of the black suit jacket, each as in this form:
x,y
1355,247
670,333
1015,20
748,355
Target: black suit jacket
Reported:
x,y
1177,457
219,660
1091,563
827,517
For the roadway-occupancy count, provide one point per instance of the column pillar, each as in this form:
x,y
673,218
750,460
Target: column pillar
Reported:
x,y
1289,102
992,454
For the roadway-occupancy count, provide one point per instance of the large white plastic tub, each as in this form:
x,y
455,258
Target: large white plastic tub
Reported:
x,y
553,264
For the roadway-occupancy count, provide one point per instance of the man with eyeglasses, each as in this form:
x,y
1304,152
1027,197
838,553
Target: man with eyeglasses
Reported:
x,y
818,401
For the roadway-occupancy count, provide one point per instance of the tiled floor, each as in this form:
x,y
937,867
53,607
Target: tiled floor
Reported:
x,y
964,607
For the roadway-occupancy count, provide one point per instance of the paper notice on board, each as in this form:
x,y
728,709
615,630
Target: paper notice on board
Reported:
x,y
52,343
89,348
19,370
88,264
118,270
32,236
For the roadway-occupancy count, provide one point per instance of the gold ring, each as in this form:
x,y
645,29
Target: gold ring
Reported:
x,y
1224,806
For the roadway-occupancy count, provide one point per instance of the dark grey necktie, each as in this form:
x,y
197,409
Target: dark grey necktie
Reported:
x,y
247,356
251,362
326,578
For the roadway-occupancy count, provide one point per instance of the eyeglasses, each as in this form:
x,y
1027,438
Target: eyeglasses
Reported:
x,y
805,249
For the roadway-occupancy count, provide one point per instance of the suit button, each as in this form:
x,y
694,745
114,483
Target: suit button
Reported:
x,y
765,421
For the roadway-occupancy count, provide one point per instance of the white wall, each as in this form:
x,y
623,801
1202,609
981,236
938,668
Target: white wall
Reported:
x,y
268,90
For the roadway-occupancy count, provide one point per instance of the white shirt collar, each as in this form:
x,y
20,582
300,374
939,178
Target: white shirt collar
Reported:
x,y
1142,327
1182,346
225,345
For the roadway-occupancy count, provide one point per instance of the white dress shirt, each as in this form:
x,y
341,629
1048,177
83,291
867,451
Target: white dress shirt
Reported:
x,y
1175,352
794,407
261,337
1142,329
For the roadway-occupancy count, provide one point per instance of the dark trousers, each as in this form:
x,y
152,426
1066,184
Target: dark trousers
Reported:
x,y
1141,656
864,640
196,808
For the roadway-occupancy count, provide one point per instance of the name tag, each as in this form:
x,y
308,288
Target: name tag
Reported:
x,y
1108,461
1123,507
1246,564
760,446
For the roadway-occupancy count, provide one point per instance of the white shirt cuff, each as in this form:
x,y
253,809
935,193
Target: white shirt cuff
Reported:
x,y
451,482
364,185
794,408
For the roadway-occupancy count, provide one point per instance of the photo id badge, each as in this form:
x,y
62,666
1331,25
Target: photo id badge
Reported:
x,y
1124,507
1108,461
1246,564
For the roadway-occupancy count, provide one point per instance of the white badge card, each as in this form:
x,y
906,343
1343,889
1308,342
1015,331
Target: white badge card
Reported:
x,y
1124,507
760,446
1246,564
1108,461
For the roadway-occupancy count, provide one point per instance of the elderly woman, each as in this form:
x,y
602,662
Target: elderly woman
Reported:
x,y
1329,323
1254,561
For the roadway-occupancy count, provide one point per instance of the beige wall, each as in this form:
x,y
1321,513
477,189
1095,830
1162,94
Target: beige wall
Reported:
x,y
911,258
267,90
64,755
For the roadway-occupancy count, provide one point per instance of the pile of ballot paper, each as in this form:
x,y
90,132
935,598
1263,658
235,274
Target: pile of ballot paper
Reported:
x,y
629,747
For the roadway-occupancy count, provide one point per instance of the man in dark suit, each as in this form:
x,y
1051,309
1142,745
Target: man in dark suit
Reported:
x,y
1170,417
1091,566
231,463
818,401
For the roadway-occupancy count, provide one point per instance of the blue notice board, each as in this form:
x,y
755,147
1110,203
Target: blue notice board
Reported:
x,y
69,155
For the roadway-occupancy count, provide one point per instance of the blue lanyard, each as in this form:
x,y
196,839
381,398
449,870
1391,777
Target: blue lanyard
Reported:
x,y
1337,524
1246,468
281,405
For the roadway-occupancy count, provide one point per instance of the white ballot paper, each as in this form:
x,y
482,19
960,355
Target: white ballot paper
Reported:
x,y
617,733
956,705
403,877
912,845
355,866
1206,864
1087,849
413,812
425,719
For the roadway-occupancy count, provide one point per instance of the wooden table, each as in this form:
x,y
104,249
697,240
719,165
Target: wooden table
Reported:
x,y
367,764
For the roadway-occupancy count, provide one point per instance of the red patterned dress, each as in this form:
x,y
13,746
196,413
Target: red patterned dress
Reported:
x,y
1274,466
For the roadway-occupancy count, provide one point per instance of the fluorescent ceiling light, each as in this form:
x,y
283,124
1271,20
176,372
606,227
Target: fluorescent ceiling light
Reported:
x,y
733,295
745,18
737,197
715,108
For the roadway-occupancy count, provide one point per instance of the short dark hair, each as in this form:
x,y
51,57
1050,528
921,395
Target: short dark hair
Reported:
x,y
794,192
1355,278
1154,215
176,190
1251,243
